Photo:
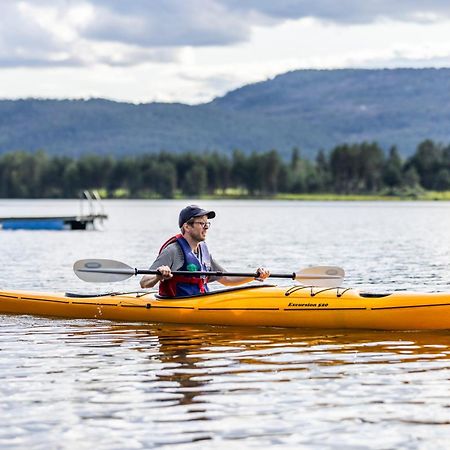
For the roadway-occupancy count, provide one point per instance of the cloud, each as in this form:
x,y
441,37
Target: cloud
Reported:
x,y
56,33
125,33
167,23
346,11
24,41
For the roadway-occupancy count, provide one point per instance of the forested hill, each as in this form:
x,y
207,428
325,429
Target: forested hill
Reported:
x,y
309,109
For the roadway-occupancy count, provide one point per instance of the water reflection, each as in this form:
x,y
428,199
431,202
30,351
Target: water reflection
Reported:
x,y
147,385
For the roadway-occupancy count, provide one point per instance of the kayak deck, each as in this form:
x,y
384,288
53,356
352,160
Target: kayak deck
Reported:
x,y
263,305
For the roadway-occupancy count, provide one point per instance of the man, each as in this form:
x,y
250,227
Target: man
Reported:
x,y
188,251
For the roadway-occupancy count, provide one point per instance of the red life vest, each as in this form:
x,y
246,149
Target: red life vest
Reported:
x,y
180,285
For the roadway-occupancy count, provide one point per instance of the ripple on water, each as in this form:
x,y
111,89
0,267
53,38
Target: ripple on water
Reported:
x,y
151,385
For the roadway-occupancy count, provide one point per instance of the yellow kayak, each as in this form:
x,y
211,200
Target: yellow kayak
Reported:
x,y
296,306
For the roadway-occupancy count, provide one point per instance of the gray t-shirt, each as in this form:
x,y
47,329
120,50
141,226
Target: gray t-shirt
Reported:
x,y
172,256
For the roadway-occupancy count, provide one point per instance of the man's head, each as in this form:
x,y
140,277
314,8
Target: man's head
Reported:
x,y
194,220
192,211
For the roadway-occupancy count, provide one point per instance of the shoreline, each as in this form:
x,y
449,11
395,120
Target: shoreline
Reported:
x,y
414,196
430,196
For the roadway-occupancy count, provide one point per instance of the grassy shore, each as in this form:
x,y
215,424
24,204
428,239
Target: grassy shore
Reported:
x,y
407,196
424,196
237,194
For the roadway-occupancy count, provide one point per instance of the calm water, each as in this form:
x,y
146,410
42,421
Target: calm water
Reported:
x,y
96,384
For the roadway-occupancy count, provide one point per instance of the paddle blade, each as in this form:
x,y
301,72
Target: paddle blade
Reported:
x,y
321,276
102,270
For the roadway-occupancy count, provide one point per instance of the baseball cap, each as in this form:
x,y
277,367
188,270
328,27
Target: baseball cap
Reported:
x,y
193,211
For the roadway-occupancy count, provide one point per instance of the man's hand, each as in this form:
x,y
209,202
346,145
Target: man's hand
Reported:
x,y
164,273
262,274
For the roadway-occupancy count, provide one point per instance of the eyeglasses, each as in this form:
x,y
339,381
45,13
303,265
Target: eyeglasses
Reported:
x,y
202,224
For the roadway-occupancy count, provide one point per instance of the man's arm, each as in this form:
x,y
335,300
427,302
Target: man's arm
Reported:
x,y
169,259
148,281
236,281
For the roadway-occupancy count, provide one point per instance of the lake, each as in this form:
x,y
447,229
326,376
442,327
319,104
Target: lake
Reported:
x,y
86,383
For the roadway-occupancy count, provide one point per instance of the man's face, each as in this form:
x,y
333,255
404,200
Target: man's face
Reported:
x,y
198,228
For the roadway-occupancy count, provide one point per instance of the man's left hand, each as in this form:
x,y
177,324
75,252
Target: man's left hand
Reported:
x,y
262,274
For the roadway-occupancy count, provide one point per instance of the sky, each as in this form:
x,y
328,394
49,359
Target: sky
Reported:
x,y
191,51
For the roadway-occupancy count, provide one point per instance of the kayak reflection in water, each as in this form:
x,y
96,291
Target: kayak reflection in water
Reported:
x,y
188,251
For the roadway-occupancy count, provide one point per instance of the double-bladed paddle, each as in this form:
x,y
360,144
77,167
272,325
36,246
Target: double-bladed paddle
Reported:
x,y
108,270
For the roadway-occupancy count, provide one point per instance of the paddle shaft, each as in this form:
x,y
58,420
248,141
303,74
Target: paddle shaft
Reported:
x,y
131,272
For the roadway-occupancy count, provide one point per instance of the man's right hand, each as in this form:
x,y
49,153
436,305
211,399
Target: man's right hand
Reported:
x,y
164,273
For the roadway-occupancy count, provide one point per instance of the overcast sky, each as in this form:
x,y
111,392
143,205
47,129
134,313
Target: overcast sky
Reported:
x,y
191,51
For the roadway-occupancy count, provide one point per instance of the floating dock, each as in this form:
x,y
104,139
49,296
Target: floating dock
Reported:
x,y
79,222
51,223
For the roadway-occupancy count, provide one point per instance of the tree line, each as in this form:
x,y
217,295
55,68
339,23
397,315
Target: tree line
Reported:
x,y
362,168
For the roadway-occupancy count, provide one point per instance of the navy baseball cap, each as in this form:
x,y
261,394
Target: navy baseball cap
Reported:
x,y
191,211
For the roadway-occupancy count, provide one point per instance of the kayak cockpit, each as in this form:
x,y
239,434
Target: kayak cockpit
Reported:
x,y
217,291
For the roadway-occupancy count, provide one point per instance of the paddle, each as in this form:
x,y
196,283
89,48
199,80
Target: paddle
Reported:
x,y
108,270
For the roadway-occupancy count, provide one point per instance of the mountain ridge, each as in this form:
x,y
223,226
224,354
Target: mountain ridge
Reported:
x,y
308,109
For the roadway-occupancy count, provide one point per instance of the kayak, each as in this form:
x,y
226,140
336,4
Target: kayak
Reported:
x,y
263,305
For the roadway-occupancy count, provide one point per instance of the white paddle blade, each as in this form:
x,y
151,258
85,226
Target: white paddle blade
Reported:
x,y
102,270
321,276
